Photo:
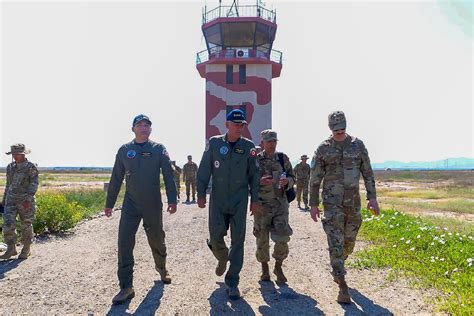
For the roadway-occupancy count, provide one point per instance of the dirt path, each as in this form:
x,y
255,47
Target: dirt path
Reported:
x,y
76,274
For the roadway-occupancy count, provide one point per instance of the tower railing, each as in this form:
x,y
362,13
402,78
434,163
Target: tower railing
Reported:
x,y
239,11
217,52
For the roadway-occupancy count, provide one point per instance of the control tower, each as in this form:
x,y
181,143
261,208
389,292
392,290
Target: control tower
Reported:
x,y
239,65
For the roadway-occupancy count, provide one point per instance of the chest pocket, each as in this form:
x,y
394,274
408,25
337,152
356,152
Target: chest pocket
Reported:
x,y
351,163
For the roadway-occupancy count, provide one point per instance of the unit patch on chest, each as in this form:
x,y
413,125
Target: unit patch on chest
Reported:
x,y
131,154
224,150
217,164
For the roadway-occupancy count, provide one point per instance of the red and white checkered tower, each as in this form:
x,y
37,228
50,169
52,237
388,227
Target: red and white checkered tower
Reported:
x,y
239,65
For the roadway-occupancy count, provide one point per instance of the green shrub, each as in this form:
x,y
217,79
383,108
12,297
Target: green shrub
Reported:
x,y
55,214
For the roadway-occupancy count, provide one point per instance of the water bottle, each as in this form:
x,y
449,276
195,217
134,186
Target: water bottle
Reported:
x,y
283,176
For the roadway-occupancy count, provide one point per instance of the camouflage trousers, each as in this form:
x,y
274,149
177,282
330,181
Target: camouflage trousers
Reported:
x,y
341,226
191,184
272,220
27,215
302,187
178,187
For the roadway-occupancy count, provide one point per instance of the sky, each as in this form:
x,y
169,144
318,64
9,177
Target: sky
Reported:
x,y
74,74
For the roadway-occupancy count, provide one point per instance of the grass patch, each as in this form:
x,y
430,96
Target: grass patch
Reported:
x,y
432,256
457,205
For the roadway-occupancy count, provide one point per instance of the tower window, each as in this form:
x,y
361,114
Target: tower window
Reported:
x,y
242,74
229,71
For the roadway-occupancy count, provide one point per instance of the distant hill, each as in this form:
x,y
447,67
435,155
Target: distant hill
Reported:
x,y
446,164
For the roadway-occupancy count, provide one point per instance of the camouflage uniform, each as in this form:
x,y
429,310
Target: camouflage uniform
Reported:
x,y
21,187
177,177
302,171
272,217
189,178
340,164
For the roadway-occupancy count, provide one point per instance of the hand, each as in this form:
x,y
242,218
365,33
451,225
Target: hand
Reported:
x,y
315,213
108,211
171,208
254,206
283,182
373,206
202,202
266,180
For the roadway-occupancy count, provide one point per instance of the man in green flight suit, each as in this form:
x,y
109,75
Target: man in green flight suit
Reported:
x,y
231,161
140,162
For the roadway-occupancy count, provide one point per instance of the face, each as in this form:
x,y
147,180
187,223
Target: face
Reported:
x,y
18,157
142,130
339,133
235,129
304,160
190,158
270,145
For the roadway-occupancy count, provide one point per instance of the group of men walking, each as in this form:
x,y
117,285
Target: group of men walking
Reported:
x,y
239,173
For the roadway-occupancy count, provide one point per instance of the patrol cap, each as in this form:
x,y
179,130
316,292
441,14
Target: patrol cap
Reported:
x,y
236,116
337,120
139,118
190,157
18,149
304,157
268,135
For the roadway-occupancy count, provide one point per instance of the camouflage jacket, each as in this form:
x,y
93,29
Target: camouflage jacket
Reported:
x,y
301,172
339,166
190,171
176,173
22,182
270,166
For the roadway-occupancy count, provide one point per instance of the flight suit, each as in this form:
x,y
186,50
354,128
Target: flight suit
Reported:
x,y
235,173
141,166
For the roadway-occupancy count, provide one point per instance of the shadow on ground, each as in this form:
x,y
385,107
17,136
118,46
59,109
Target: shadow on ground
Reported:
x,y
283,300
221,304
363,305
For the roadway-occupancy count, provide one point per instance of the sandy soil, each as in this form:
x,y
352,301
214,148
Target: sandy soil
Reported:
x,y
76,274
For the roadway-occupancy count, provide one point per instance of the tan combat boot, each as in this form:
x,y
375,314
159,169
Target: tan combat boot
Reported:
x,y
25,251
123,295
343,297
265,272
278,271
11,251
165,276
221,267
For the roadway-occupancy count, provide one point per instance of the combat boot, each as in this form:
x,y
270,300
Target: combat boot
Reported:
x,y
343,297
194,199
187,198
165,276
233,292
123,295
306,207
278,271
265,272
25,252
11,251
299,205
221,267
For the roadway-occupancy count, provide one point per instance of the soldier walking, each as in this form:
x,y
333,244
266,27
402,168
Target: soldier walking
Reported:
x,y
140,162
301,171
231,161
177,177
189,178
19,199
272,216
338,162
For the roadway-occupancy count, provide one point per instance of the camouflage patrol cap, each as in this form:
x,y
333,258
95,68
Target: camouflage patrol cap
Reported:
x,y
304,157
140,117
190,157
268,135
18,149
337,120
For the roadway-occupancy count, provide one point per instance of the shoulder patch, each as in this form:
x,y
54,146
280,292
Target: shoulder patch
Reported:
x,y
253,152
